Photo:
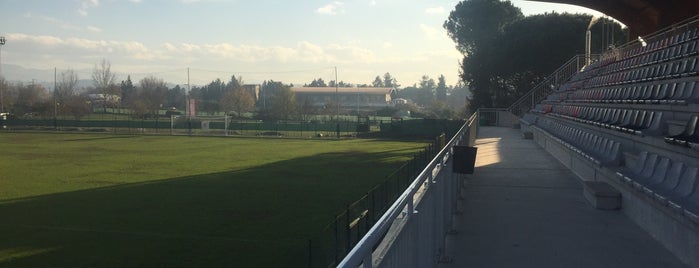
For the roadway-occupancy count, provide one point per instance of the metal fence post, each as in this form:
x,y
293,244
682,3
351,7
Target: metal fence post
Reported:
x,y
348,236
310,253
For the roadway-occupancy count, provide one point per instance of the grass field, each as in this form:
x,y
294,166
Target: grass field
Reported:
x,y
87,200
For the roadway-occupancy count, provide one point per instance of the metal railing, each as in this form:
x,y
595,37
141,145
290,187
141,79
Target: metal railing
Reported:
x,y
404,237
677,28
499,117
570,68
550,83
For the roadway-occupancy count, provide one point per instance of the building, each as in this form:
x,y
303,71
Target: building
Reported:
x,y
102,100
350,98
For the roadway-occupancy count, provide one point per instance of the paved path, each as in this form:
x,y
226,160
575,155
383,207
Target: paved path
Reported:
x,y
522,208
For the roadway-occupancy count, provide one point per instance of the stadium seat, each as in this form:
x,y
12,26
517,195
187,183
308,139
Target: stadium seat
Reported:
x,y
691,206
689,131
652,163
671,181
627,173
659,175
685,188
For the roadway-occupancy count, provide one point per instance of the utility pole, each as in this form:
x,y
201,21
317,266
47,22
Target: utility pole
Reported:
x,y
189,109
55,125
2,83
337,99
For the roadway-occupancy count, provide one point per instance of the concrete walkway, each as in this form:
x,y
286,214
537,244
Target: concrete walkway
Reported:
x,y
522,208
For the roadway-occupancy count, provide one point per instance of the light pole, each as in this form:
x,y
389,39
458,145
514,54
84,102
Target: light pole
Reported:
x,y
55,104
2,101
337,112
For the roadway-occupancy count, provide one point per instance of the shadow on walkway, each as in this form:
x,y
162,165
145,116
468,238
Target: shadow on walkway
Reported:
x,y
522,208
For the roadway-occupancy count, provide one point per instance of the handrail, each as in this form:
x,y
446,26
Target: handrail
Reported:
x,y
662,33
550,83
362,252
546,87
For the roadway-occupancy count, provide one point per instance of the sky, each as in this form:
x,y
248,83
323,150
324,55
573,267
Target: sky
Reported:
x,y
257,40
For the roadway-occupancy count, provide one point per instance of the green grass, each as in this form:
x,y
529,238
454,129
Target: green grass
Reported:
x,y
86,200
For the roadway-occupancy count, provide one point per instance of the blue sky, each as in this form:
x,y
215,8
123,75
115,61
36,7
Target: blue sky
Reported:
x,y
289,41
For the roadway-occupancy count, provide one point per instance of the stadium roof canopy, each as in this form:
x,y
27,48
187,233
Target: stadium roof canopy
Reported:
x,y
643,17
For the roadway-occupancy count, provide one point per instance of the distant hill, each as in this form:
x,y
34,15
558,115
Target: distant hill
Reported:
x,y
18,74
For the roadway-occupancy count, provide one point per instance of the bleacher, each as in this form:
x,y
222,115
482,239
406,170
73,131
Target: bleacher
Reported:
x,y
632,115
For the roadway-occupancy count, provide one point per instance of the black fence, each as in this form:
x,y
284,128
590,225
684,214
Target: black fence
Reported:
x,y
222,126
336,240
202,126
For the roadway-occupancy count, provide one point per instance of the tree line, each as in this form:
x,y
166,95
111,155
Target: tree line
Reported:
x,y
150,96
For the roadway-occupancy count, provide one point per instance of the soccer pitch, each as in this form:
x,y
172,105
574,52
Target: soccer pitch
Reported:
x,y
86,200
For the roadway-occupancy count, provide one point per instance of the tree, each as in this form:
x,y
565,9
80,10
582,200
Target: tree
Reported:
x,y
377,82
306,109
3,93
238,100
235,82
209,97
475,23
341,84
410,93
426,93
176,97
65,90
267,90
9,93
317,83
104,80
441,90
128,91
283,104
389,81
506,54
152,94
77,106
458,96
31,99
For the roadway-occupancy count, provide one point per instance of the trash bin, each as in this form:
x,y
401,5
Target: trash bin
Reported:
x,y
464,159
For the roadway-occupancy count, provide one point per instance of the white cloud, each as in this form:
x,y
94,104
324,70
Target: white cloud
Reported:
x,y
430,32
53,21
135,1
94,29
357,64
50,45
439,10
302,52
85,5
331,9
38,39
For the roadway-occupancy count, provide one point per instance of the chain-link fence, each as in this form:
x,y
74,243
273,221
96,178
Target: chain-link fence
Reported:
x,y
181,125
121,122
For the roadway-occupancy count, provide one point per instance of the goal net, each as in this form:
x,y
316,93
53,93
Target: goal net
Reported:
x,y
199,125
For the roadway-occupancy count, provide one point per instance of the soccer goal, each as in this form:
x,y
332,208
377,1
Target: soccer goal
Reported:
x,y
200,125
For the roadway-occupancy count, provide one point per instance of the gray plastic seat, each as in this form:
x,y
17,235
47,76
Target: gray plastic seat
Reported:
x,y
659,174
671,181
646,172
626,173
685,188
